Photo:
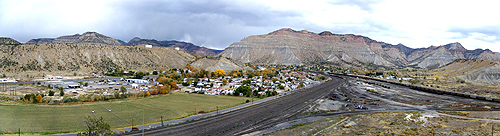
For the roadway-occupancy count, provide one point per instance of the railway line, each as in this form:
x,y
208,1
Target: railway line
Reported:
x,y
252,118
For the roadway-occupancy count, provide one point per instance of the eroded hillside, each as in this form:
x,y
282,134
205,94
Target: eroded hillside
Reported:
x,y
48,58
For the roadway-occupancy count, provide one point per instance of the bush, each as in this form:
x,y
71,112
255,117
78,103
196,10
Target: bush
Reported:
x,y
51,93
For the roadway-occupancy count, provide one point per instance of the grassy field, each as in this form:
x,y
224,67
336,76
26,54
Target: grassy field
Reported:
x,y
49,118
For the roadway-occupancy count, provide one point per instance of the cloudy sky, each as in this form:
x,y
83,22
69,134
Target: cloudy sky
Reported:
x,y
217,24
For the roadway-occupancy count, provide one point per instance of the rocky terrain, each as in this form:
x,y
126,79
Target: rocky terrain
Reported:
x,y
222,63
81,58
85,38
290,47
188,47
8,41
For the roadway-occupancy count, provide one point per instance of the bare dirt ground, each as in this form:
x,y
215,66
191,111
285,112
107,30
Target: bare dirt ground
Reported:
x,y
393,123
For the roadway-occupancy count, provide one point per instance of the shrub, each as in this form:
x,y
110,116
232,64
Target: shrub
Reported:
x,y
51,93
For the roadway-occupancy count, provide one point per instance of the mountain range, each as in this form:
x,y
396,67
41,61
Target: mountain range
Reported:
x,y
289,47
92,51
96,38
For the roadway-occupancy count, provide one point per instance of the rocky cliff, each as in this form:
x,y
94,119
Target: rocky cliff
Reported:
x,y
85,38
290,47
71,58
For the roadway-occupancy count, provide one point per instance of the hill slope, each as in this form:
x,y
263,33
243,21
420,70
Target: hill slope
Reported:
x,y
483,72
88,58
222,63
8,41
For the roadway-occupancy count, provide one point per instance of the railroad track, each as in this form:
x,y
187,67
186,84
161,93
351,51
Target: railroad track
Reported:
x,y
252,118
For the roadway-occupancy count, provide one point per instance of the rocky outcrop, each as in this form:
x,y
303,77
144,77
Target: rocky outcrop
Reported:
x,y
69,58
85,38
8,41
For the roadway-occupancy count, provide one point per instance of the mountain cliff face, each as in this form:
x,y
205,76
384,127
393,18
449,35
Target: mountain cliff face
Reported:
x,y
287,46
188,47
88,58
290,47
85,38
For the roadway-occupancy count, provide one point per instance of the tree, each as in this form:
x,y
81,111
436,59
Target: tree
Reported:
x,y
155,72
281,87
96,127
219,72
224,82
61,93
39,98
123,90
86,84
247,82
51,93
245,90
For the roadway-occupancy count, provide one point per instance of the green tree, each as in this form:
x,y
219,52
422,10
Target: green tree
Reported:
x,y
123,90
51,93
224,82
247,82
245,90
281,87
86,84
61,93
96,127
155,72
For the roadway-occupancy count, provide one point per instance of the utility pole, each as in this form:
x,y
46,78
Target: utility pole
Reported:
x,y
161,118
132,129
143,112
217,109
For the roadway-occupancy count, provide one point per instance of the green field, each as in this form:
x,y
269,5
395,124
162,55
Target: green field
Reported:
x,y
58,118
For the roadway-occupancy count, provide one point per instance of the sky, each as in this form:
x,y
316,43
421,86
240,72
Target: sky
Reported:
x,y
218,23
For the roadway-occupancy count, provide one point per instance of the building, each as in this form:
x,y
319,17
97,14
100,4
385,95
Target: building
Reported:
x,y
139,81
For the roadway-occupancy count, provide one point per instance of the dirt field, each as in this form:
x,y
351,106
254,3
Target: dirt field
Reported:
x,y
394,123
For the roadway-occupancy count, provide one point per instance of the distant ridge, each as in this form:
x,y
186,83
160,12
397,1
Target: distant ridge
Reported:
x,y
8,41
188,47
291,47
96,38
85,38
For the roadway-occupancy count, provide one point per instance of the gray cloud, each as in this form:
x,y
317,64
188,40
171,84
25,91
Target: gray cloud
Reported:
x,y
486,30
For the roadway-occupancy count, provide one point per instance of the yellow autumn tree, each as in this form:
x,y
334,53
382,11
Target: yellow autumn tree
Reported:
x,y
219,72
39,98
